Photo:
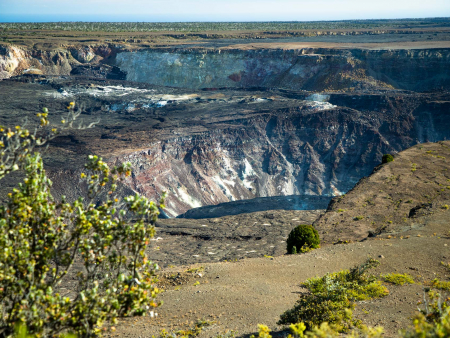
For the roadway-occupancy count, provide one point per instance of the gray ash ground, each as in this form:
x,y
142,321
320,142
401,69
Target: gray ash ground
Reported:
x,y
229,238
290,202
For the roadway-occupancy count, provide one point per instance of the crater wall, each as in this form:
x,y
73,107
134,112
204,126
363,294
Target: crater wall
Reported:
x,y
289,152
305,69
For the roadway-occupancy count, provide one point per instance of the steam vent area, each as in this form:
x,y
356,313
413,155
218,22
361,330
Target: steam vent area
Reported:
x,y
248,133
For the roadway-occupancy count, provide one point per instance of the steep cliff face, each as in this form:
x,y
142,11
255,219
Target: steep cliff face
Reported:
x,y
315,69
15,60
307,69
292,151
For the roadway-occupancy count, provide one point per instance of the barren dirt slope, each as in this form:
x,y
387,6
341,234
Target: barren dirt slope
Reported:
x,y
394,198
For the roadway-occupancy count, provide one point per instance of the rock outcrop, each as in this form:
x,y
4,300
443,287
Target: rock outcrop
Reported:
x,y
305,69
15,60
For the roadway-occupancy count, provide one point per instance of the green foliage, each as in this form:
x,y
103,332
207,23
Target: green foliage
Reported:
x,y
331,298
42,239
304,237
424,329
387,158
398,279
195,270
263,332
433,321
189,333
327,331
22,332
294,250
438,284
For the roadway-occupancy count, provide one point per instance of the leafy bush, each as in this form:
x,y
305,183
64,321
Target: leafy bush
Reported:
x,y
42,239
303,237
398,279
331,298
433,321
387,158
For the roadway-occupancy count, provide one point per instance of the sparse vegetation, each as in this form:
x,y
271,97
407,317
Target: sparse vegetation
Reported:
x,y
447,265
216,26
189,333
433,320
196,270
398,279
387,158
438,284
303,237
332,297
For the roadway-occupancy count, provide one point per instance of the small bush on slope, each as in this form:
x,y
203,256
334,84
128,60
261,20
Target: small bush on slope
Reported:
x,y
387,158
331,298
302,238
398,279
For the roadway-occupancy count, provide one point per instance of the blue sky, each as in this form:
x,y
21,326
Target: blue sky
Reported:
x,y
218,10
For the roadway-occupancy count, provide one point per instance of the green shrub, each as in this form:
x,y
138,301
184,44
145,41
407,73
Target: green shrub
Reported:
x,y
398,279
422,328
303,237
331,298
189,333
41,239
387,158
433,320
438,284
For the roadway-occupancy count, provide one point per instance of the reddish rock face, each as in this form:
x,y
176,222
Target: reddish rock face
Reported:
x,y
235,77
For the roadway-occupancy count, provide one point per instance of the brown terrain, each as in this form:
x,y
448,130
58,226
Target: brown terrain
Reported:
x,y
252,133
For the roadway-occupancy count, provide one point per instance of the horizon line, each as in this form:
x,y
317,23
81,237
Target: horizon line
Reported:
x,y
234,21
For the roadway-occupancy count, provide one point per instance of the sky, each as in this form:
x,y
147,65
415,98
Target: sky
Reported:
x,y
217,10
